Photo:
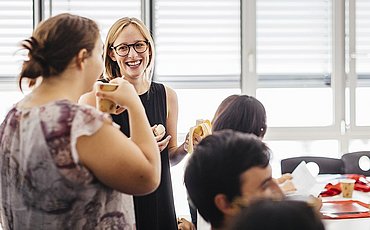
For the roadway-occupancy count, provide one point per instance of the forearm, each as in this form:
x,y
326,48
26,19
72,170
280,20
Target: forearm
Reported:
x,y
176,154
142,134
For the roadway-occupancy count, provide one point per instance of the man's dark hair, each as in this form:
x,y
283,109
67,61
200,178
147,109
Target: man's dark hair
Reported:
x,y
282,215
216,166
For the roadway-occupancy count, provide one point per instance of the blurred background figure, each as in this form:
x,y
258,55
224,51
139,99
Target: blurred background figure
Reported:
x,y
278,215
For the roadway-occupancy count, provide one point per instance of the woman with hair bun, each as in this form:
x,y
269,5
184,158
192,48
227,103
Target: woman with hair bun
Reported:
x,y
65,165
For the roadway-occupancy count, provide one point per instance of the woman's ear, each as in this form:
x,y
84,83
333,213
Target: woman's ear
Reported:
x,y
81,57
111,55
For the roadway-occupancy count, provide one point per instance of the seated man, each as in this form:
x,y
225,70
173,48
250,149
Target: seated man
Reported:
x,y
227,171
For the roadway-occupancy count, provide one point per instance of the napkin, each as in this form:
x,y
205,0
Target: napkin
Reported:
x,y
361,184
331,190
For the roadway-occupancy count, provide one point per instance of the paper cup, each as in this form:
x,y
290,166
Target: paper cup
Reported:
x,y
347,186
105,105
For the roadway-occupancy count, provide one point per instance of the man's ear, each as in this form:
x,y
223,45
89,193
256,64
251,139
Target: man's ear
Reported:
x,y
81,57
225,206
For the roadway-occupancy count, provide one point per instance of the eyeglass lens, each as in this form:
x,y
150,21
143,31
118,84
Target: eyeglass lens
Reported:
x,y
124,49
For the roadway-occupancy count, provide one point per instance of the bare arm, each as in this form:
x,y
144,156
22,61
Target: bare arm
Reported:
x,y
130,166
176,153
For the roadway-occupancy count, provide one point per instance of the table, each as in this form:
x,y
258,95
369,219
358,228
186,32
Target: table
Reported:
x,y
348,224
334,224
345,224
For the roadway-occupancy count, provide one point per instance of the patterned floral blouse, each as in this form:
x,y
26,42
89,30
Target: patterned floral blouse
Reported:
x,y
43,185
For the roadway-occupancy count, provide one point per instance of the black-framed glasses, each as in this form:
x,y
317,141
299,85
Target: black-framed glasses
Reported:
x,y
123,49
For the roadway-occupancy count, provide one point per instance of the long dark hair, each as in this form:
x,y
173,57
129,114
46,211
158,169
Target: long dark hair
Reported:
x,y
245,114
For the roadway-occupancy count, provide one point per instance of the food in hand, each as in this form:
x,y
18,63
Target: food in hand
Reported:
x,y
203,129
105,105
159,130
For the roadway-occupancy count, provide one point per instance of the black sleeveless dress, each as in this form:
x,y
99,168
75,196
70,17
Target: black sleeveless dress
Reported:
x,y
154,211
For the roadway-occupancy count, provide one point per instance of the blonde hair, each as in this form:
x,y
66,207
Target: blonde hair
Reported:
x,y
112,69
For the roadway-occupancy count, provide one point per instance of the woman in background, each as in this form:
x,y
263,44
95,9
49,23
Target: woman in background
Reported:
x,y
241,113
64,165
129,54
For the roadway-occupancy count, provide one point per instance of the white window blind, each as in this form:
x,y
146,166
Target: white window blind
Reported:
x,y
198,42
105,13
363,37
16,22
294,39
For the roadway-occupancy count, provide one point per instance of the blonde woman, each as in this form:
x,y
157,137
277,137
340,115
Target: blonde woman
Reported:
x,y
129,54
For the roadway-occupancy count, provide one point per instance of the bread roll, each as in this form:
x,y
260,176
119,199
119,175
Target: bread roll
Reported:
x,y
105,105
160,129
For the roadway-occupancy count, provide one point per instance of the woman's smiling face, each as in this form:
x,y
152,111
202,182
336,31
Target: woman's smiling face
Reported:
x,y
134,64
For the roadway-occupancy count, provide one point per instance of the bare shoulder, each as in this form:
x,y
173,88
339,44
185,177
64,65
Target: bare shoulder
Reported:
x,y
88,99
171,93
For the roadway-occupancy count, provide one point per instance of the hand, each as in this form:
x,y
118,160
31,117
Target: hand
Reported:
x,y
283,178
196,141
119,109
162,144
124,96
183,224
315,203
285,183
288,186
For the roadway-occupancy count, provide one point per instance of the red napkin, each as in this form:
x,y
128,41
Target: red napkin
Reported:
x,y
360,185
331,190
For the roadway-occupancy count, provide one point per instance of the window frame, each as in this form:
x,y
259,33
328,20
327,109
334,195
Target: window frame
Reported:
x,y
343,129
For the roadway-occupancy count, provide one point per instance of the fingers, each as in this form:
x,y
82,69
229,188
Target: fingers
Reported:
x,y
163,144
287,176
183,224
124,95
284,177
288,186
153,131
160,136
119,110
186,145
196,139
